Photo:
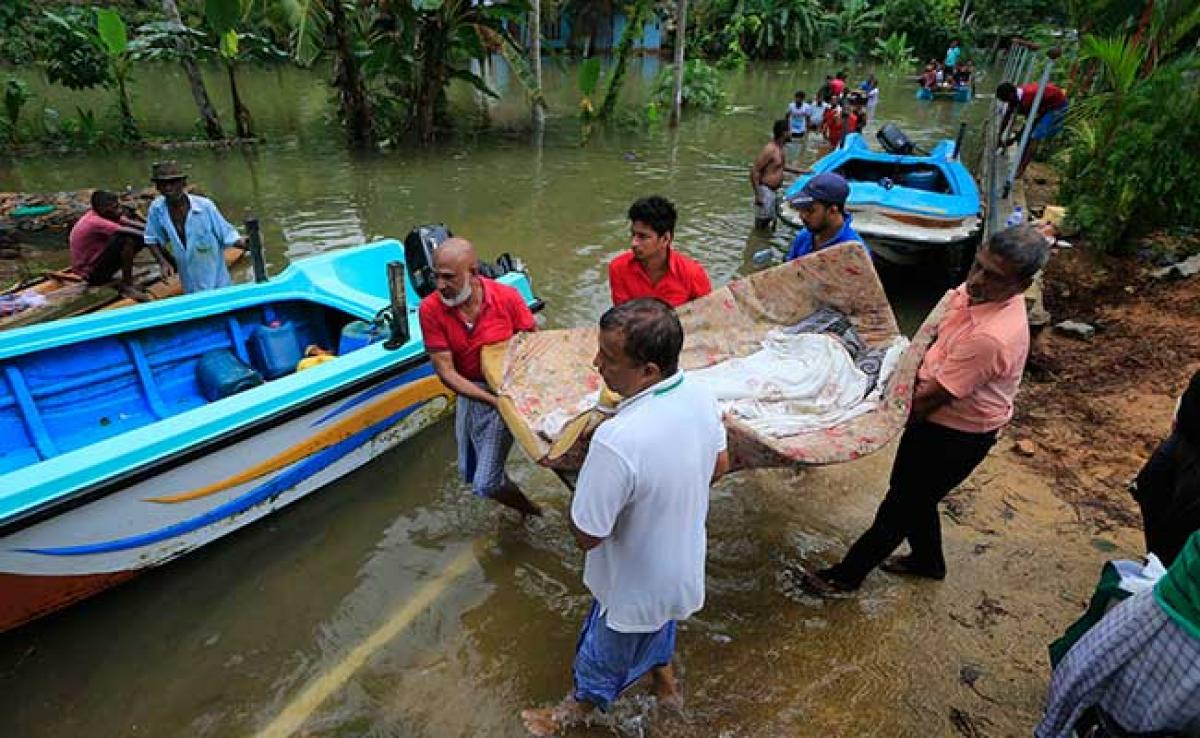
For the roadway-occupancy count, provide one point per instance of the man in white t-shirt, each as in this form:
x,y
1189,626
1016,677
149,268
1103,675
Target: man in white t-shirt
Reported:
x,y
639,511
797,113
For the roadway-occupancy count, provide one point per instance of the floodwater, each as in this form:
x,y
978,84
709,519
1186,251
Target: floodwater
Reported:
x,y
392,603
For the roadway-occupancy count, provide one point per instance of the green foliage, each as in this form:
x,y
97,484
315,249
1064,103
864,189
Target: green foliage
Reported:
x,y
1128,168
16,94
70,48
851,28
111,30
411,52
736,30
702,88
633,30
589,81
894,50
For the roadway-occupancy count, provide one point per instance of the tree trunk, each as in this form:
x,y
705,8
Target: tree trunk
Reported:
x,y
535,53
129,128
208,114
431,81
680,43
633,29
241,114
352,92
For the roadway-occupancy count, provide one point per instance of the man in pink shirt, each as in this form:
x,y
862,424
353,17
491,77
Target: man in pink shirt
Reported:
x,y
104,242
964,395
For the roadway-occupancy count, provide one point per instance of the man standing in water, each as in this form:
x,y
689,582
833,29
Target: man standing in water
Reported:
x,y
465,313
964,395
821,204
652,267
639,512
193,227
766,176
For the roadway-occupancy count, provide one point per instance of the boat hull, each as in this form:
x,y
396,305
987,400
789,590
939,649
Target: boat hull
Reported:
x,y
174,508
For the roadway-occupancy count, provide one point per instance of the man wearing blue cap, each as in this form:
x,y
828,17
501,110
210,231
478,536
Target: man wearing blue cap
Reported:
x,y
822,207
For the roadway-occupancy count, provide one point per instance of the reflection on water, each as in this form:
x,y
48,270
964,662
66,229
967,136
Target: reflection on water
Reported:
x,y
222,641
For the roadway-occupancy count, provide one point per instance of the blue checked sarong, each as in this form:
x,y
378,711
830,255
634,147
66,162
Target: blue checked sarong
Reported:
x,y
1136,664
608,662
483,444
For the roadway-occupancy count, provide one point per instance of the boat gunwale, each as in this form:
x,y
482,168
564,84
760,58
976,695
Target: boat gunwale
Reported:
x,y
110,484
214,422
69,500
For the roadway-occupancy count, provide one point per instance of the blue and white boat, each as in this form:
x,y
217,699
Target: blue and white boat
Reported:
x,y
955,92
908,206
114,459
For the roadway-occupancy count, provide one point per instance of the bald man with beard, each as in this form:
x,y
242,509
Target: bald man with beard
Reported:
x,y
464,314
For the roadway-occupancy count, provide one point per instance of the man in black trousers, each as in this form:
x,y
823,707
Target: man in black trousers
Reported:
x,y
964,395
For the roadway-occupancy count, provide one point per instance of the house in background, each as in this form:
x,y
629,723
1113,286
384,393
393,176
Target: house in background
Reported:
x,y
595,28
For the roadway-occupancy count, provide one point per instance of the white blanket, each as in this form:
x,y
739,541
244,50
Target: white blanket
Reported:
x,y
797,383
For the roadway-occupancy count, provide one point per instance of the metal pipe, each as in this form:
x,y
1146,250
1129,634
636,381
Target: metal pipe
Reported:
x,y
962,131
256,250
395,278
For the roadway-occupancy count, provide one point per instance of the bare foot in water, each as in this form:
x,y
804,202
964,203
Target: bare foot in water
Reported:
x,y
666,688
548,721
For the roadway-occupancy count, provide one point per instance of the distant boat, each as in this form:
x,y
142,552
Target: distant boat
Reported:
x,y
131,437
908,206
957,93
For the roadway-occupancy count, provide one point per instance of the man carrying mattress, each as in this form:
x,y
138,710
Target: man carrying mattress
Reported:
x,y
464,314
639,512
964,395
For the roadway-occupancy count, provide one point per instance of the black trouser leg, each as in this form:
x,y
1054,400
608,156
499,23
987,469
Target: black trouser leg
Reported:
x,y
932,460
116,257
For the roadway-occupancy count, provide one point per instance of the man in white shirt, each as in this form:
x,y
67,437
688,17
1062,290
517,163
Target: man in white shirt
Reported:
x,y
797,112
639,511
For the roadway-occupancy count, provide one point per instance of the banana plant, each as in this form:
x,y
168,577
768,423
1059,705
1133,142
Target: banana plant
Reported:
x,y
114,40
224,18
638,15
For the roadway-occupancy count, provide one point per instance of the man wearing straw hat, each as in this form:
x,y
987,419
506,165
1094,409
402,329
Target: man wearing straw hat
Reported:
x,y
193,229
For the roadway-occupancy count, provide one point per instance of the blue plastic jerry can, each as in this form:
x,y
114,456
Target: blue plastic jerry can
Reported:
x,y
359,333
275,349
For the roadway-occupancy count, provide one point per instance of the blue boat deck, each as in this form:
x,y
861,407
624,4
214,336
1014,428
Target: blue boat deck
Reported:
x,y
65,398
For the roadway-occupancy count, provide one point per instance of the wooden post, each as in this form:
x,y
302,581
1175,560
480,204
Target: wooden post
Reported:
x,y
680,43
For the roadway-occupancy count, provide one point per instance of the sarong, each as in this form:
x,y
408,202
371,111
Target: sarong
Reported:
x,y
608,662
483,444
765,211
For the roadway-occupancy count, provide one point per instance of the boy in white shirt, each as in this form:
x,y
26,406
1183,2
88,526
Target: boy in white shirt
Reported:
x,y
639,512
798,112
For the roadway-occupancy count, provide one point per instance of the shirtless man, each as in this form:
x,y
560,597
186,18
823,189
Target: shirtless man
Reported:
x,y
766,176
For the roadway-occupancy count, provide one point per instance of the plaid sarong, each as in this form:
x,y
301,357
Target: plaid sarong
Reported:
x,y
1137,665
483,444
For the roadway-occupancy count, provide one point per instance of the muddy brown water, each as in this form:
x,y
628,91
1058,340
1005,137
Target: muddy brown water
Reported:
x,y
226,640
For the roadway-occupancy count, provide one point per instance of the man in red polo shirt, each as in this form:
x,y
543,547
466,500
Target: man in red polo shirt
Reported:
x,y
1051,114
466,313
651,268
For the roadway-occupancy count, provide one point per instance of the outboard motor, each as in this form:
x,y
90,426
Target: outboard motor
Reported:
x,y
419,246
894,140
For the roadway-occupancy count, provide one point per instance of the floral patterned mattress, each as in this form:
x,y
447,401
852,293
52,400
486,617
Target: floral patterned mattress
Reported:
x,y
548,388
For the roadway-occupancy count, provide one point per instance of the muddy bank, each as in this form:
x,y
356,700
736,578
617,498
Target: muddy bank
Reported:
x,y
1105,403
